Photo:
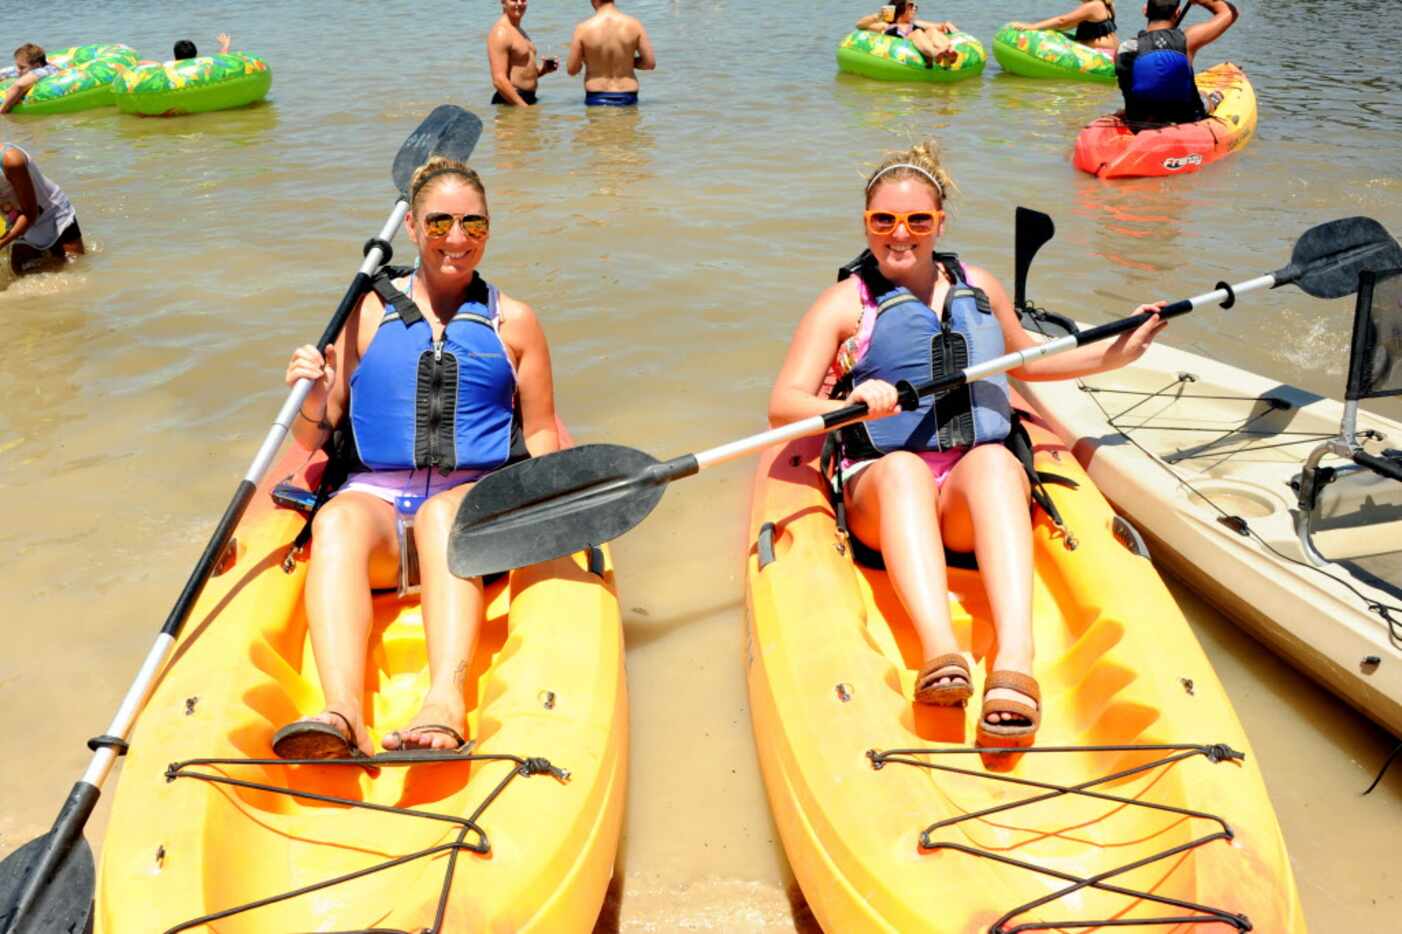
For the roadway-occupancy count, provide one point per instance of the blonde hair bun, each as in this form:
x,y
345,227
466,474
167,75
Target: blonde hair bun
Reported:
x,y
921,162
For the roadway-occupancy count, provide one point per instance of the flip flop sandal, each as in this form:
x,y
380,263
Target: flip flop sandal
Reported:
x,y
929,690
312,739
1023,684
440,728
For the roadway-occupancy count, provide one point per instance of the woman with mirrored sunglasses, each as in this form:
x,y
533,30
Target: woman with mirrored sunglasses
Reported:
x,y
914,483
437,379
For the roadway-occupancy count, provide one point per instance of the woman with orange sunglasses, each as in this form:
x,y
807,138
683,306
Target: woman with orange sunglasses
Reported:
x,y
437,379
916,482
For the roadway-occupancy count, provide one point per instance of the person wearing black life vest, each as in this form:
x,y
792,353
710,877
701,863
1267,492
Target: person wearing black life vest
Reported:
x,y
914,483
1155,68
1094,21
437,379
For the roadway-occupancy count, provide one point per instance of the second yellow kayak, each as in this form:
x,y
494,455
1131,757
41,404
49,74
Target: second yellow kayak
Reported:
x,y
890,826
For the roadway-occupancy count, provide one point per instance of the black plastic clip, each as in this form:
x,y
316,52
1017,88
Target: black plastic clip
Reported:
x,y
1231,294
385,249
906,396
112,742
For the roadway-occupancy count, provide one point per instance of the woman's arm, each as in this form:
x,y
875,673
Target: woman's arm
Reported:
x,y
873,23
824,327
535,381
324,406
1082,361
1082,12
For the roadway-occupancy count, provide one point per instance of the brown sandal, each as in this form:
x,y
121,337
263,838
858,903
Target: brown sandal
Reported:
x,y
316,739
1013,681
929,690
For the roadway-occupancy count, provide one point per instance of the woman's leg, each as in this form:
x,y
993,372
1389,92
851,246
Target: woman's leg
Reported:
x,y
935,46
354,548
893,506
452,612
984,508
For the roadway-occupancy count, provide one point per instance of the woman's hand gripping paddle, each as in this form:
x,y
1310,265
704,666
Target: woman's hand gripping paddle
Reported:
x,y
47,885
551,506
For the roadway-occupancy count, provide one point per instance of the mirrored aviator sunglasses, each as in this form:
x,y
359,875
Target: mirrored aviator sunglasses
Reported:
x,y
919,223
474,226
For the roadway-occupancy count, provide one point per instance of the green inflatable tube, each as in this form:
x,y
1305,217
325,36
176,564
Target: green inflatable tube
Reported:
x,y
1043,53
194,85
83,83
892,58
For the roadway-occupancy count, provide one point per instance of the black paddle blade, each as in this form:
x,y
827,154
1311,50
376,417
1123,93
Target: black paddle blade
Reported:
x,y
448,131
551,506
64,904
1328,258
1031,230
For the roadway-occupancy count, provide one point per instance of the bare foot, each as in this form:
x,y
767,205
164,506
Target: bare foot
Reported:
x,y
437,726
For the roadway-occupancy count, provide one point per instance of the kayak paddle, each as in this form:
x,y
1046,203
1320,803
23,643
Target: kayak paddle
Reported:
x,y
551,506
47,885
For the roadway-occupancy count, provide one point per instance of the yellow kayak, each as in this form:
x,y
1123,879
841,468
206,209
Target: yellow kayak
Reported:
x,y
891,825
517,835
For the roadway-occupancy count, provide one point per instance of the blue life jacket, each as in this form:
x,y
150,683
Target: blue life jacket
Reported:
x,y
450,404
910,341
1156,77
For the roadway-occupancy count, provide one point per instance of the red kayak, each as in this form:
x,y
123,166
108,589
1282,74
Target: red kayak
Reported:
x,y
1109,149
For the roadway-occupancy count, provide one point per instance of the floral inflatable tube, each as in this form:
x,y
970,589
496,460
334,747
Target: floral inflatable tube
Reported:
x,y
84,81
194,85
1044,53
892,58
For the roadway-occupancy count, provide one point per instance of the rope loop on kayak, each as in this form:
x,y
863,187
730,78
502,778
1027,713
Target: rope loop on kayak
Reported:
x,y
469,833
1175,753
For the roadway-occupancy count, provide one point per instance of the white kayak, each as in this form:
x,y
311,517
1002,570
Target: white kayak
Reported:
x,y
1205,459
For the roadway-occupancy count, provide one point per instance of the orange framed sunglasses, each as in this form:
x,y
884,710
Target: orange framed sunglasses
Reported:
x,y
474,226
919,223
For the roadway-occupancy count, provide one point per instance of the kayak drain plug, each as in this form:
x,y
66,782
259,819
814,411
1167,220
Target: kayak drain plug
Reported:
x,y
1370,664
547,700
844,692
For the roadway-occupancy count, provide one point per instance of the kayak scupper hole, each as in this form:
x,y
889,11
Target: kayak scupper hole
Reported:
x,y
844,692
1248,504
547,699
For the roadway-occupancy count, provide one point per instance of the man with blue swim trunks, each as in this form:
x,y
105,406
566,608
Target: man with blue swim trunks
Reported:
x,y
610,47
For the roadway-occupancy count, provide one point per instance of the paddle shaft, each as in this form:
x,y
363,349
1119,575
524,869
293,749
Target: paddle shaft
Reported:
x,y
688,464
83,798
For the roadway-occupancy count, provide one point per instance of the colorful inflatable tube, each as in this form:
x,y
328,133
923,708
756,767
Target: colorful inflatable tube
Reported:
x,y
195,85
82,54
1109,149
892,58
83,83
1043,53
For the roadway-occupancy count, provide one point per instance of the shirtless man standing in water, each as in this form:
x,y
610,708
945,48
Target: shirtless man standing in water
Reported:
x,y
609,46
511,53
